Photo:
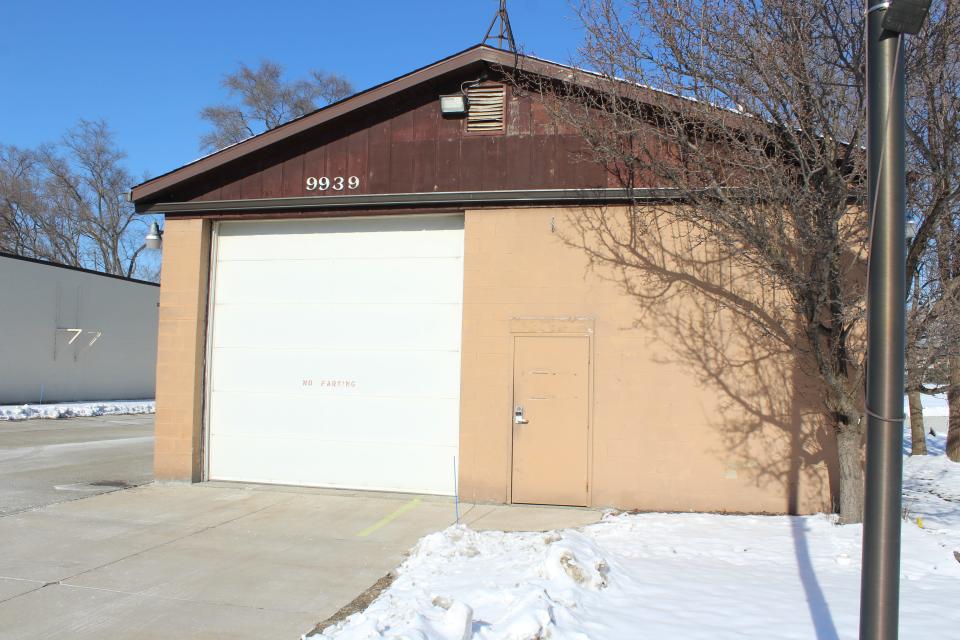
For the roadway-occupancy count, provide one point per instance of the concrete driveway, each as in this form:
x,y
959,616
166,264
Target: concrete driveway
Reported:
x,y
47,461
215,560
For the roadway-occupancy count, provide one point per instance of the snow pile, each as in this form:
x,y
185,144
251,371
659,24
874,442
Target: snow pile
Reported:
x,y
690,576
75,409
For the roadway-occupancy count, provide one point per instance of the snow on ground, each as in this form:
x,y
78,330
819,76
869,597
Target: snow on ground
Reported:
x,y
931,492
75,409
684,576
934,406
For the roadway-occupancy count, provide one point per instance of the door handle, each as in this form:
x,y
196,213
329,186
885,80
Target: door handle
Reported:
x,y
518,417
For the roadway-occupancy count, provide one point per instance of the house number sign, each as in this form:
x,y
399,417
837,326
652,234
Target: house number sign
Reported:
x,y
337,183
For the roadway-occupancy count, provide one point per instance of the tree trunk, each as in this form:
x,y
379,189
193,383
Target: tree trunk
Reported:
x,y
918,435
953,402
850,453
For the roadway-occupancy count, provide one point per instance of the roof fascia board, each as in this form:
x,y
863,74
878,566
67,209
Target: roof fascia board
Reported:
x,y
451,198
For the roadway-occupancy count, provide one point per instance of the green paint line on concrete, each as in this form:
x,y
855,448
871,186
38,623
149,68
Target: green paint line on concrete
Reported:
x,y
388,519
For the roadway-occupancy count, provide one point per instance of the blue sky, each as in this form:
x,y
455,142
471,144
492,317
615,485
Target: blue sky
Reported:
x,y
149,67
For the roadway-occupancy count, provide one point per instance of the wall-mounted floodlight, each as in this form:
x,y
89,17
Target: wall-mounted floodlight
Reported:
x,y
154,238
454,104
906,16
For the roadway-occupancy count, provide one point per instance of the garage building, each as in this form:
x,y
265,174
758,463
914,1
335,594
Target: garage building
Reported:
x,y
72,334
375,296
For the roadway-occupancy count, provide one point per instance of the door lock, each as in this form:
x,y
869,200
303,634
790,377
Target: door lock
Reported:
x,y
518,417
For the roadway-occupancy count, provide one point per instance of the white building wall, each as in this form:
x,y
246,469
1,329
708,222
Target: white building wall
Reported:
x,y
73,335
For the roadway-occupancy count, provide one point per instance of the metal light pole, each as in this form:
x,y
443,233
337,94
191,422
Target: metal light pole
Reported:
x,y
880,579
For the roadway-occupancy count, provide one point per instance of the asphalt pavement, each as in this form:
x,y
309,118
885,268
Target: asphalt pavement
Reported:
x,y
44,462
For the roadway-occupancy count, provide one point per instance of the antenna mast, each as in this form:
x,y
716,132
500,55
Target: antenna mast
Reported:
x,y
506,33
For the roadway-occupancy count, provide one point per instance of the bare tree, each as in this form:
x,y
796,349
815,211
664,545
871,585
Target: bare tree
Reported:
x,y
66,203
948,253
932,330
920,354
933,129
756,129
22,204
264,101
917,363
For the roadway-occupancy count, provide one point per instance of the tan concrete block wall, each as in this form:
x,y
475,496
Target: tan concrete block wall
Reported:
x,y
664,436
180,349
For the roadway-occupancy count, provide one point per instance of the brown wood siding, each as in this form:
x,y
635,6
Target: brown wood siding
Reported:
x,y
406,146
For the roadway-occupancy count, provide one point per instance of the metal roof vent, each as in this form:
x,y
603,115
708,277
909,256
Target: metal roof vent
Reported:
x,y
487,107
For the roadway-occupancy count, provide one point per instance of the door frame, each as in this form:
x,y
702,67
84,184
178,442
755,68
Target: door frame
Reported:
x,y
554,327
208,352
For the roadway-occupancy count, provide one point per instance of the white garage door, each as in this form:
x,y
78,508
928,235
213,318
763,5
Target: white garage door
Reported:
x,y
335,353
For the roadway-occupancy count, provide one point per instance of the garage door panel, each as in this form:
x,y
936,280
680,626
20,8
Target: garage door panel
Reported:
x,y
348,238
377,327
337,418
424,374
385,280
335,353
415,468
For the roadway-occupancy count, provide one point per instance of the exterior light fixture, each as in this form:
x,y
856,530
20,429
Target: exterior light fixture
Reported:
x,y
455,104
154,239
906,16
